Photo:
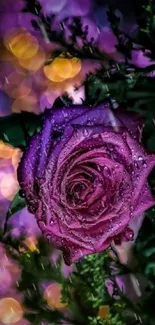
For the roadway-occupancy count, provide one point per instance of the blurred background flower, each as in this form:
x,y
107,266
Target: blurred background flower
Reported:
x,y
31,78
9,159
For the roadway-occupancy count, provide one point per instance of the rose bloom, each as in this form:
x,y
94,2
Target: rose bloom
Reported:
x,y
85,178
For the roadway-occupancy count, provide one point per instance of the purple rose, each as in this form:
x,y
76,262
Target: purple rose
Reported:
x,y
85,177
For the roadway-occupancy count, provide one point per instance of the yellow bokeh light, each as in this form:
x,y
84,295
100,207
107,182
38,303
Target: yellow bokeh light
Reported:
x,y
27,103
35,62
51,74
6,55
76,66
31,242
22,44
9,186
6,151
62,68
104,311
53,296
59,70
17,154
17,85
10,311
11,34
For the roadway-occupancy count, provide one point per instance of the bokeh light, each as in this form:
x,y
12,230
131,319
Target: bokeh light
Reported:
x,y
31,243
62,68
103,311
9,186
17,85
35,62
10,311
21,43
52,295
59,70
27,103
17,154
6,151
6,55
5,280
76,66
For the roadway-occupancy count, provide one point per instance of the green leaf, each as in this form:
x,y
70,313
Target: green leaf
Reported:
x,y
31,122
149,252
151,144
11,131
150,268
96,91
17,128
17,204
151,215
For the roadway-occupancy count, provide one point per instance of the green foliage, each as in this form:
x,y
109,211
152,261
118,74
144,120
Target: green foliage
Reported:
x,y
17,204
110,320
16,129
145,247
90,270
133,91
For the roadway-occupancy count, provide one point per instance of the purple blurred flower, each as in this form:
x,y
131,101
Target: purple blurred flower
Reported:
x,y
12,6
5,280
52,7
12,17
107,41
111,289
66,270
101,17
127,284
9,273
5,104
66,8
23,222
140,59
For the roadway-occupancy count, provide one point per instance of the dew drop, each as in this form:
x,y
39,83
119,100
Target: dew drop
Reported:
x,y
41,224
86,133
65,114
48,237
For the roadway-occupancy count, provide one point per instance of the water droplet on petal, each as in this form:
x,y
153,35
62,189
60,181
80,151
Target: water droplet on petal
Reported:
x,y
129,234
48,237
41,224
